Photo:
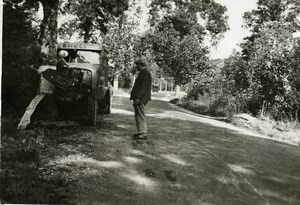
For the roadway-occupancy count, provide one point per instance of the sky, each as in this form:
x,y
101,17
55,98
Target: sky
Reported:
x,y
235,11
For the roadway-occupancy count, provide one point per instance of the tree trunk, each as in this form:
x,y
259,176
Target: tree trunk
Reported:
x,y
116,83
87,29
177,94
160,84
1,30
48,34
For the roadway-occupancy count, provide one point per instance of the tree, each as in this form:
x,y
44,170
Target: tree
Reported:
x,y
26,47
263,75
179,29
205,16
48,28
90,17
20,50
184,59
271,70
48,32
284,11
124,44
119,43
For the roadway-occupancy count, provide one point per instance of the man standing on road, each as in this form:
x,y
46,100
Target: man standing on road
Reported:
x,y
141,94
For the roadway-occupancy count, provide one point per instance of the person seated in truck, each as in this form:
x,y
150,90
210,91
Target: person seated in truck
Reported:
x,y
62,65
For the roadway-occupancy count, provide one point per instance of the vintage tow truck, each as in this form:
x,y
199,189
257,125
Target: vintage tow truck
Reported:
x,y
83,91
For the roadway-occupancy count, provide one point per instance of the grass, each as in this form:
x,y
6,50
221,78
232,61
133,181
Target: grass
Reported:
x,y
21,176
284,131
195,106
209,105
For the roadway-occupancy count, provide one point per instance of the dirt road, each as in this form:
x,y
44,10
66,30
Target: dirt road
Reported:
x,y
187,160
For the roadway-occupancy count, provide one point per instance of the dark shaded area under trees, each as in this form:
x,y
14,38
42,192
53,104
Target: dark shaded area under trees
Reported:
x,y
21,56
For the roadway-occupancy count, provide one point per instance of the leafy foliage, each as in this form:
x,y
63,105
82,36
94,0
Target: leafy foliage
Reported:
x,y
265,76
186,15
184,59
124,45
119,42
90,17
20,55
179,29
284,11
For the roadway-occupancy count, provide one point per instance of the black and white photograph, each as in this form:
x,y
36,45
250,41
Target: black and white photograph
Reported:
x,y
150,102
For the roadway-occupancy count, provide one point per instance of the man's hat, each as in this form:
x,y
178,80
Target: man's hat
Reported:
x,y
63,53
140,62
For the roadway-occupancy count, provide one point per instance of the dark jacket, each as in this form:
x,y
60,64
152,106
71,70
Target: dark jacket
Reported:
x,y
142,86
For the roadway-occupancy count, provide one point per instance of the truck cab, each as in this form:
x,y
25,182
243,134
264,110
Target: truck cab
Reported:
x,y
86,91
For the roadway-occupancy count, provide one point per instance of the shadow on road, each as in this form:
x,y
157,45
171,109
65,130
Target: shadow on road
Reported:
x,y
186,160
193,161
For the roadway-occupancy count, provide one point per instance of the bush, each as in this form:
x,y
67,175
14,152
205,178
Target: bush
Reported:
x,y
196,92
195,106
223,106
214,105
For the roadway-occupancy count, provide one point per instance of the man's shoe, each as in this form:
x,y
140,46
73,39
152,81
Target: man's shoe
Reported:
x,y
140,136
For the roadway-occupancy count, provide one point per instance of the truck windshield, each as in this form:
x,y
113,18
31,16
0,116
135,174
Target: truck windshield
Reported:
x,y
80,56
88,57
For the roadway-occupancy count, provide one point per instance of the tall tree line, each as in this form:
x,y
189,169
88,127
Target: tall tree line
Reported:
x,y
29,42
174,45
264,77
